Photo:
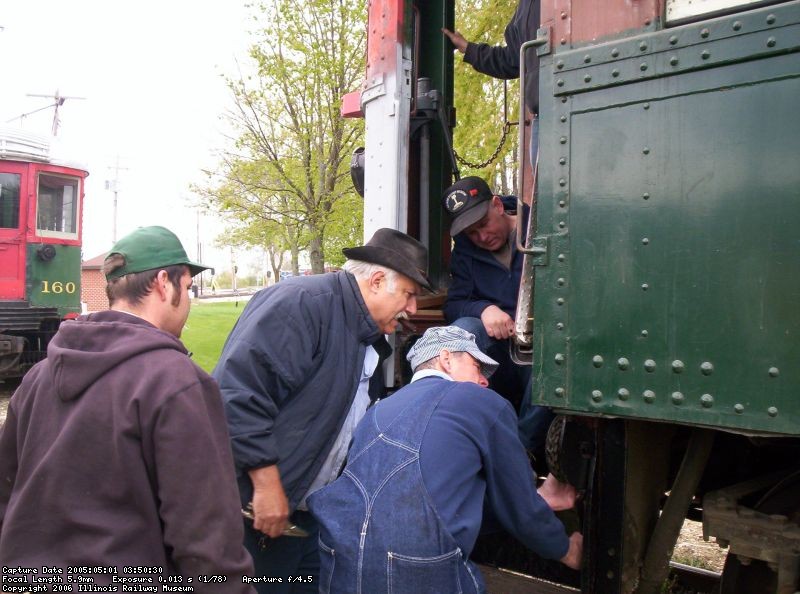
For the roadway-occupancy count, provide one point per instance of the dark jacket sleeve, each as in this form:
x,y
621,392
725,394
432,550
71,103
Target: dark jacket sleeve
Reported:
x,y
268,355
197,494
497,61
512,495
460,295
502,61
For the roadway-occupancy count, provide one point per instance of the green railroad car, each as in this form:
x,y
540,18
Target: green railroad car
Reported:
x,y
660,306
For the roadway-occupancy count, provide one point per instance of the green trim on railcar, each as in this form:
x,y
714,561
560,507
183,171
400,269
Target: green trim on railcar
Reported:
x,y
436,63
670,193
54,282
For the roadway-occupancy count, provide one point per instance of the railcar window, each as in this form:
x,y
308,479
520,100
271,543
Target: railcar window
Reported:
x,y
9,200
57,206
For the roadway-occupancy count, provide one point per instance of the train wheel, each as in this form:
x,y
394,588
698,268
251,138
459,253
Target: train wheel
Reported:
x,y
553,448
755,576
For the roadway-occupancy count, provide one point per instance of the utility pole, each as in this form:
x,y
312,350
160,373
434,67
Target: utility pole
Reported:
x,y
113,185
234,270
199,249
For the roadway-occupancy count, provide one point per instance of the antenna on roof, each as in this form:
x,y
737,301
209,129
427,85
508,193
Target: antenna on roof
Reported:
x,y
58,99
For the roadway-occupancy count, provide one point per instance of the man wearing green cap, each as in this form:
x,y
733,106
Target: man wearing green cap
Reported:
x,y
115,454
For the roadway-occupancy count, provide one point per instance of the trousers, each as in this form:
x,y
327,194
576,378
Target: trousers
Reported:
x,y
288,564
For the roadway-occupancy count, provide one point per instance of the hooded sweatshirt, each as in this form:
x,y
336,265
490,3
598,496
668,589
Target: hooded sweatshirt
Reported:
x,y
115,453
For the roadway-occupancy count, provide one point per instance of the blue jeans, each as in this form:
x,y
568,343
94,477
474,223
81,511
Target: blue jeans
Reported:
x,y
512,382
293,558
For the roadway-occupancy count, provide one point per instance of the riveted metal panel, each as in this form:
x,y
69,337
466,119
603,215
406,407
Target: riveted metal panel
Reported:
x,y
582,22
673,205
708,44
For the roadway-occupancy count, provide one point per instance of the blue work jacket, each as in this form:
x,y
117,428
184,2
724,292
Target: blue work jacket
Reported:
x,y
478,280
288,374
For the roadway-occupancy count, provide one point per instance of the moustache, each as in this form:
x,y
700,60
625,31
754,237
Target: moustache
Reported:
x,y
405,323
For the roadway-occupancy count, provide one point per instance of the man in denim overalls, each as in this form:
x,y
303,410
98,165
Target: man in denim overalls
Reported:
x,y
406,512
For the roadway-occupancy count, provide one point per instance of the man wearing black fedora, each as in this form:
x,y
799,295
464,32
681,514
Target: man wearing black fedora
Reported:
x,y
295,378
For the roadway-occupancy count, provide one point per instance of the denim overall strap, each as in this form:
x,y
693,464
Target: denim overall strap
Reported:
x,y
408,427
380,531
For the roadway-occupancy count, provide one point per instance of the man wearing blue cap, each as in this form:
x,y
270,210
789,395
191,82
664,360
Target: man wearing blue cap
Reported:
x,y
406,512
115,451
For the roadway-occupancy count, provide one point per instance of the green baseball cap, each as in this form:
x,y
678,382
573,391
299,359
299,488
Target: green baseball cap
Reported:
x,y
149,248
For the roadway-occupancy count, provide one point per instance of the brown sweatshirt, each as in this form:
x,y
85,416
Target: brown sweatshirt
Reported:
x,y
115,453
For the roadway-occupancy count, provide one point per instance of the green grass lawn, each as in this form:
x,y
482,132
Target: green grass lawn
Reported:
x,y
207,328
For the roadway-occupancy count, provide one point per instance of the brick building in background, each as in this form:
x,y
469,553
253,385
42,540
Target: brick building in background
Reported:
x,y
93,284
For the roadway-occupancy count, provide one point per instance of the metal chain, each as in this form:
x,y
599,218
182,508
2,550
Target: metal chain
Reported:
x,y
491,159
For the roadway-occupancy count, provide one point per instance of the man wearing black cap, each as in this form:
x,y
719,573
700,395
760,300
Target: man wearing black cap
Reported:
x,y
486,270
115,452
295,376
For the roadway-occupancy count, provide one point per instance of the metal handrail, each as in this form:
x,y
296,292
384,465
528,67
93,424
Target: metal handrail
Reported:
x,y
539,41
523,329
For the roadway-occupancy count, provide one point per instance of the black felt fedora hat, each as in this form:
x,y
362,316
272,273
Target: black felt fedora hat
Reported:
x,y
395,250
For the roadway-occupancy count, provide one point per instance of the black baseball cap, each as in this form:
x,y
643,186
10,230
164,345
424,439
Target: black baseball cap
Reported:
x,y
467,202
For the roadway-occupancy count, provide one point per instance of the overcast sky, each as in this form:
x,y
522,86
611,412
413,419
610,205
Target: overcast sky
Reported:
x,y
150,72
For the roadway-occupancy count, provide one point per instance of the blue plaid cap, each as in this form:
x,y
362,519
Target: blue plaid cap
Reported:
x,y
455,340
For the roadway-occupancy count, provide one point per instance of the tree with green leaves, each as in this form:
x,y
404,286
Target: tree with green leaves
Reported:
x,y
256,216
268,236
481,123
290,162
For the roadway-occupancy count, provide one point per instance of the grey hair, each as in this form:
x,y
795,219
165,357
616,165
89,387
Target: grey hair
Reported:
x,y
364,270
431,363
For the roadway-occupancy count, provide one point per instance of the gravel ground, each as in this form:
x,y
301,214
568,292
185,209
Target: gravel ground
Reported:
x,y
7,388
691,549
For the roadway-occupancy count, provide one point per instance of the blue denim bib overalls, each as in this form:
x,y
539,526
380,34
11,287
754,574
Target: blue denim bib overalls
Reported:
x,y
379,530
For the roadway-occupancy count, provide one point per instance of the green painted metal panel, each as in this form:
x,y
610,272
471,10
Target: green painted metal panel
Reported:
x,y
436,63
672,203
704,45
57,282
